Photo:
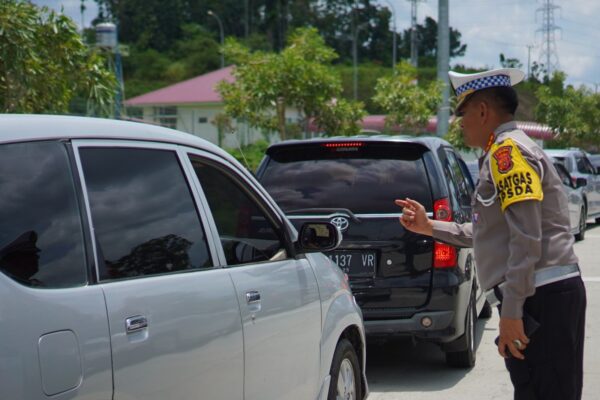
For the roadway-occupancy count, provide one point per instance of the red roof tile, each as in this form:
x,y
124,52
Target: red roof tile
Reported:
x,y
200,89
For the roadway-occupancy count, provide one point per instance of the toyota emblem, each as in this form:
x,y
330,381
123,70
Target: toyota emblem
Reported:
x,y
340,222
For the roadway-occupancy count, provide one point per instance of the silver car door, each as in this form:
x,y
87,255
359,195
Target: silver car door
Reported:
x,y
278,294
174,318
54,338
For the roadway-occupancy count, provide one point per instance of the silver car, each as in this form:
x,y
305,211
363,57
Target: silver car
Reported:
x,y
138,262
574,189
579,166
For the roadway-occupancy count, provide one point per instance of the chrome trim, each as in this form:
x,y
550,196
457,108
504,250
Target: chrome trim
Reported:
x,y
252,297
137,323
308,216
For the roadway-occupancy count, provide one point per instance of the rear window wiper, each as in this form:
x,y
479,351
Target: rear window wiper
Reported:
x,y
325,210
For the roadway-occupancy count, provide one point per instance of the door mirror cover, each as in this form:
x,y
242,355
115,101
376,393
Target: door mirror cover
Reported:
x,y
319,236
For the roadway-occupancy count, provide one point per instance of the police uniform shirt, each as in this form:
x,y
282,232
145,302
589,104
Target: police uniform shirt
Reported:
x,y
520,218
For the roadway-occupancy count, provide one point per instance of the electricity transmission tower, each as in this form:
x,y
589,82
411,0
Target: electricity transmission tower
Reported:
x,y
548,52
414,41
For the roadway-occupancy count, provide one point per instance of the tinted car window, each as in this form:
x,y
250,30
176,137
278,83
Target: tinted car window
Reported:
x,y
563,174
363,179
463,185
246,233
143,212
41,239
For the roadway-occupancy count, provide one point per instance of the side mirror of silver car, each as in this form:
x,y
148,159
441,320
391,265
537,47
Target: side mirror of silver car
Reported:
x,y
580,182
319,236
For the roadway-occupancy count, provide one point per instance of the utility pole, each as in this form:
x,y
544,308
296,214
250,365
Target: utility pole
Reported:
x,y
529,47
394,45
246,18
443,64
548,48
82,10
414,40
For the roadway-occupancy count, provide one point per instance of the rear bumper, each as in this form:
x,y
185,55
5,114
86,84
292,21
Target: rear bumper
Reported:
x,y
441,325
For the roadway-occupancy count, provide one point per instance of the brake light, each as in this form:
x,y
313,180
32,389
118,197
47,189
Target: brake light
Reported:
x,y
444,255
343,144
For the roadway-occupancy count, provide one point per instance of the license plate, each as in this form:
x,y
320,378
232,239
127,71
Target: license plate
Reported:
x,y
355,263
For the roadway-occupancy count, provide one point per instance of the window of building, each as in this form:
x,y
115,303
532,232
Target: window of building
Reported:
x,y
166,116
143,212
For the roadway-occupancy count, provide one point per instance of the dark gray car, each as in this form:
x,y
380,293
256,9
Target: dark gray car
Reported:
x,y
406,284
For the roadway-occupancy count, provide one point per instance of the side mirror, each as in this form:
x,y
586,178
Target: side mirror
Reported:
x,y
580,182
319,236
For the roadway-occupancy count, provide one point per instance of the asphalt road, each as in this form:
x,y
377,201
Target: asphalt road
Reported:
x,y
401,370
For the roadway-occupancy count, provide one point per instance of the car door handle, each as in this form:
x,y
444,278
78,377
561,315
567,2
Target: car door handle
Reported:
x,y
252,297
137,323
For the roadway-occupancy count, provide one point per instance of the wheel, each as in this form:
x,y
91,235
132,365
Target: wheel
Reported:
x,y
345,373
465,358
486,311
582,226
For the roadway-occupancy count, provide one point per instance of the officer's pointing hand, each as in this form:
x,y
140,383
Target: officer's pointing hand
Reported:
x,y
512,335
414,218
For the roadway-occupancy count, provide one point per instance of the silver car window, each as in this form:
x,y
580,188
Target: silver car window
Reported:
x,y
143,213
246,232
41,237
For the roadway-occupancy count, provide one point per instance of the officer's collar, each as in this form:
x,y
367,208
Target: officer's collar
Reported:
x,y
507,126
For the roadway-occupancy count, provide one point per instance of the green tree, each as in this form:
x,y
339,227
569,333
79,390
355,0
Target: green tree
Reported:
x,y
573,114
427,39
406,103
509,62
44,63
267,84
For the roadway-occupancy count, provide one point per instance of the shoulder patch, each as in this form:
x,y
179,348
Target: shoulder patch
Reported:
x,y
514,178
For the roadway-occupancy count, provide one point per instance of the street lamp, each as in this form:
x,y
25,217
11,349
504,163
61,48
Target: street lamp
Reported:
x,y
212,14
393,34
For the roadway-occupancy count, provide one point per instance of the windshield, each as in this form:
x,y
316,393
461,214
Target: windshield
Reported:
x,y
363,179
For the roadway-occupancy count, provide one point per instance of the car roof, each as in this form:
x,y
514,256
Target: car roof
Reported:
x,y
431,142
562,152
34,127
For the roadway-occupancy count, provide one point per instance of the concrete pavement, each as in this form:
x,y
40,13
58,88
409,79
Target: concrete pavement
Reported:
x,y
399,370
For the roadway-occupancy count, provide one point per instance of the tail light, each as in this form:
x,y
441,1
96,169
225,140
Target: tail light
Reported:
x,y
444,255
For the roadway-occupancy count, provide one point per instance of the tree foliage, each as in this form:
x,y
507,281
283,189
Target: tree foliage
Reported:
x,y
406,103
44,63
574,114
299,77
427,42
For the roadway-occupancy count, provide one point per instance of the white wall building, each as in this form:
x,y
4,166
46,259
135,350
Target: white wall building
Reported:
x,y
191,106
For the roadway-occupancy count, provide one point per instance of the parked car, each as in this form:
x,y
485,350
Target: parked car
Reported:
x,y
595,160
406,284
574,192
140,262
579,166
473,167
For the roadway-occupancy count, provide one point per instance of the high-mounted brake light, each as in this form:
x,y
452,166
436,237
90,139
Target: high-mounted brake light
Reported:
x,y
343,144
444,255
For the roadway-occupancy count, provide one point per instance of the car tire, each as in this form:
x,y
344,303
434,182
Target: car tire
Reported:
x,y
465,358
579,236
486,311
345,373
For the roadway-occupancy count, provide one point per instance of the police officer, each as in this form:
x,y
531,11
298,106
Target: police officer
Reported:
x,y
522,241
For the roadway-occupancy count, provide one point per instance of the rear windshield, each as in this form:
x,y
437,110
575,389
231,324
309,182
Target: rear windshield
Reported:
x,y
364,179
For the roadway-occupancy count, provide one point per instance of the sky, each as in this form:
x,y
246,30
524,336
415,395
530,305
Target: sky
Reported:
x,y
488,27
